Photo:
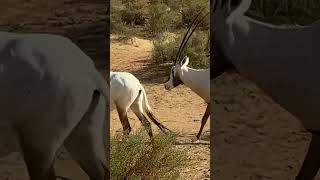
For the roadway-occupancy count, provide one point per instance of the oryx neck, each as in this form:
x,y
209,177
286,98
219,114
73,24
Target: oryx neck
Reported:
x,y
198,80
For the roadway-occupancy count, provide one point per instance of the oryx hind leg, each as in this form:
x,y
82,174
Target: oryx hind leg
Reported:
x,y
311,162
137,109
41,137
204,121
123,116
38,156
87,144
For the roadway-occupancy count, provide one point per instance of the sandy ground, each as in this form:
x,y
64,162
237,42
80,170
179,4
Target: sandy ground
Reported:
x,y
84,22
180,110
254,138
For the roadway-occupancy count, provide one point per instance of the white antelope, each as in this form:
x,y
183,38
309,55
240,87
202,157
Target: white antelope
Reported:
x,y
283,61
127,92
198,80
52,95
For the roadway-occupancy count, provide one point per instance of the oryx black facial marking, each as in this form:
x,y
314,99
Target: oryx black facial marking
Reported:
x,y
175,79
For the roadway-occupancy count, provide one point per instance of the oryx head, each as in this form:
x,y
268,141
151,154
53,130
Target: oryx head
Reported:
x,y
224,13
179,65
175,74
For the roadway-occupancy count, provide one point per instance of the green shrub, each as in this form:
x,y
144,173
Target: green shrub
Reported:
x,y
189,10
197,48
117,26
127,15
162,18
133,157
286,11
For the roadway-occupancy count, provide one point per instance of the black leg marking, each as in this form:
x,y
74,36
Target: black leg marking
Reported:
x,y
156,122
204,120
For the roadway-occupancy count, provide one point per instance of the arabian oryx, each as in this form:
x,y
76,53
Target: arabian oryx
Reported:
x,y
283,61
52,95
198,80
127,92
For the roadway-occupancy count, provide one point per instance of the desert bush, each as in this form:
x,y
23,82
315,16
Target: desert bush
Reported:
x,y
190,8
197,48
117,26
133,157
162,18
135,12
286,11
127,15
165,15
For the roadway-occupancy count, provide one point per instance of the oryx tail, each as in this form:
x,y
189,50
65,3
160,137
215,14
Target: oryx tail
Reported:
x,y
148,110
102,86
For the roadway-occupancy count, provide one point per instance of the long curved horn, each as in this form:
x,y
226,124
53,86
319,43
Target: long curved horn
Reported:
x,y
194,20
184,44
214,5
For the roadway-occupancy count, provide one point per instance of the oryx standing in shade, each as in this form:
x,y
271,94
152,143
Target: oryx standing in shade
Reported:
x,y
198,80
283,61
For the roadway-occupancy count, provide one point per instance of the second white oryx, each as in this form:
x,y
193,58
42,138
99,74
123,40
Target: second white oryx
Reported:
x,y
283,61
198,80
127,92
52,95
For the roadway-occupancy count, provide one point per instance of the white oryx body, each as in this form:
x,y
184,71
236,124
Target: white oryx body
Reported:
x,y
283,61
198,80
127,92
51,95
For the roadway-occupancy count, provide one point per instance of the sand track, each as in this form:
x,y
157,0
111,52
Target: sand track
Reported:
x,y
254,138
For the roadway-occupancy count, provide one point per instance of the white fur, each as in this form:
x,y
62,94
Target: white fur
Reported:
x,y
124,90
125,93
47,87
198,80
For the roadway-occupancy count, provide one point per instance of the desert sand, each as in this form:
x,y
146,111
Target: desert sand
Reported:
x,y
253,137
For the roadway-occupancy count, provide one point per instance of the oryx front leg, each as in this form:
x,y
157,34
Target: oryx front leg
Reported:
x,y
204,121
86,143
311,162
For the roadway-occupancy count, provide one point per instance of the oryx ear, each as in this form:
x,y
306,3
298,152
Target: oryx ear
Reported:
x,y
185,61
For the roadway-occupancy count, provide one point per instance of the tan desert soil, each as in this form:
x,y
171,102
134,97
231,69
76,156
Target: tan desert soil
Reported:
x,y
84,22
180,110
254,138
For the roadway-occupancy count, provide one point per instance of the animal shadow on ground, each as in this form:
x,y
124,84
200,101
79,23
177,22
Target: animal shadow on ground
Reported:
x,y
191,139
150,72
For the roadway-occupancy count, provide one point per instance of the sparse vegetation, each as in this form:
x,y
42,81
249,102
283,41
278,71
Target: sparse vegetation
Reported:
x,y
198,47
166,47
286,11
156,19
134,157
